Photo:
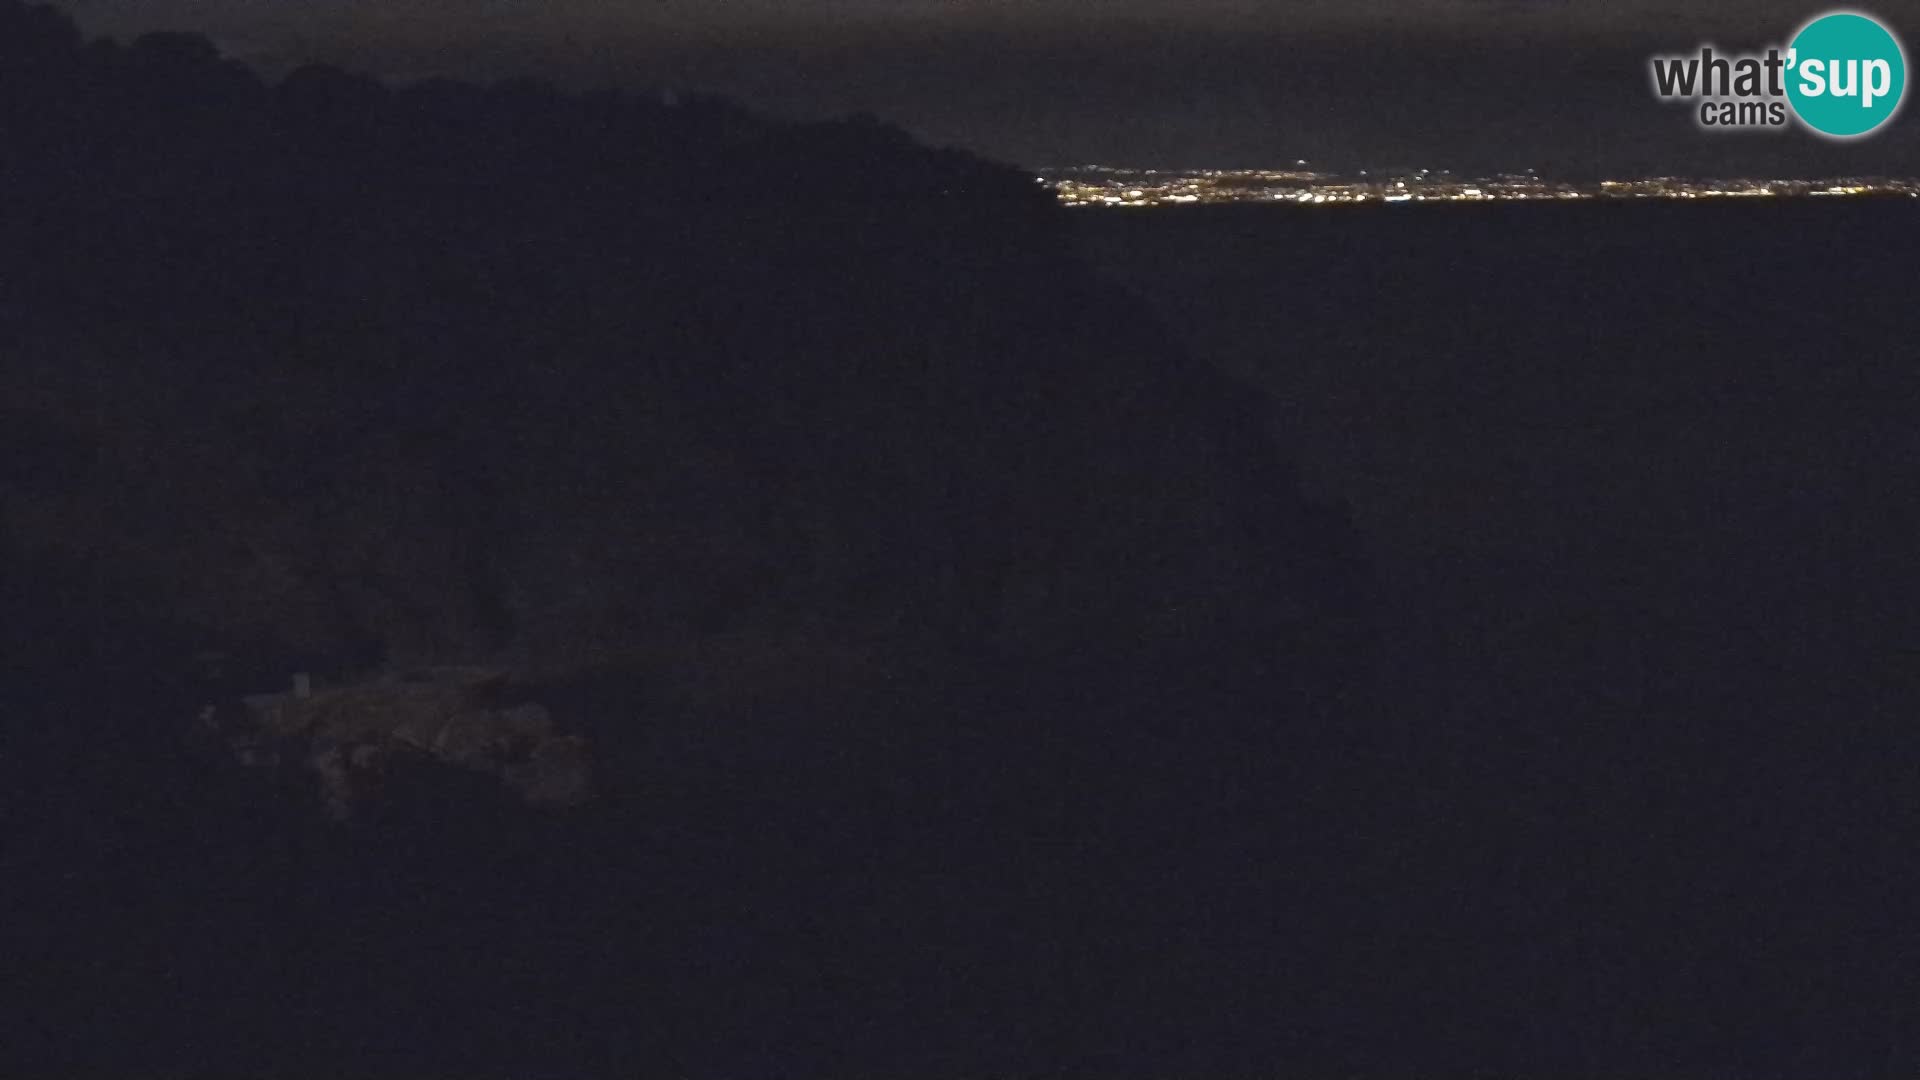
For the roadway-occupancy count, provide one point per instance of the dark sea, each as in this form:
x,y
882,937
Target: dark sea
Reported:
x,y
1641,485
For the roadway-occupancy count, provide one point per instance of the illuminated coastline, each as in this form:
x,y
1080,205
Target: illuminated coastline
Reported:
x,y
1104,186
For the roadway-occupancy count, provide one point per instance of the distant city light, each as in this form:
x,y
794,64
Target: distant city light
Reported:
x,y
1110,186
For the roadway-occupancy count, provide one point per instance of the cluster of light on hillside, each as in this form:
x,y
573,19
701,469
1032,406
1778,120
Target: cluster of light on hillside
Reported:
x,y
1105,186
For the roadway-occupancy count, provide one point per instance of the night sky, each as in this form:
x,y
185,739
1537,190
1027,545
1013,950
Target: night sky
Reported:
x,y
1464,84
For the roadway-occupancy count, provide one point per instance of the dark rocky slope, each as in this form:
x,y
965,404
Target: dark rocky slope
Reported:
x,y
932,617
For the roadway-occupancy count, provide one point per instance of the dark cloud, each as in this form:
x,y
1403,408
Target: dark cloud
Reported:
x,y
1448,83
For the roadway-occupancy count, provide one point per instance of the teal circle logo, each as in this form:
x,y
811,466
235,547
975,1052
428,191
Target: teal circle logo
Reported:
x,y
1846,74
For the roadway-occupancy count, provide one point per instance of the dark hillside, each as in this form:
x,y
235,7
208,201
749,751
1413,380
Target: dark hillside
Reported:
x,y
961,662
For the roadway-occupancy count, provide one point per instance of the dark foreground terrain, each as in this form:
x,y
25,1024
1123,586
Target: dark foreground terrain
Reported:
x,y
970,680
957,661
